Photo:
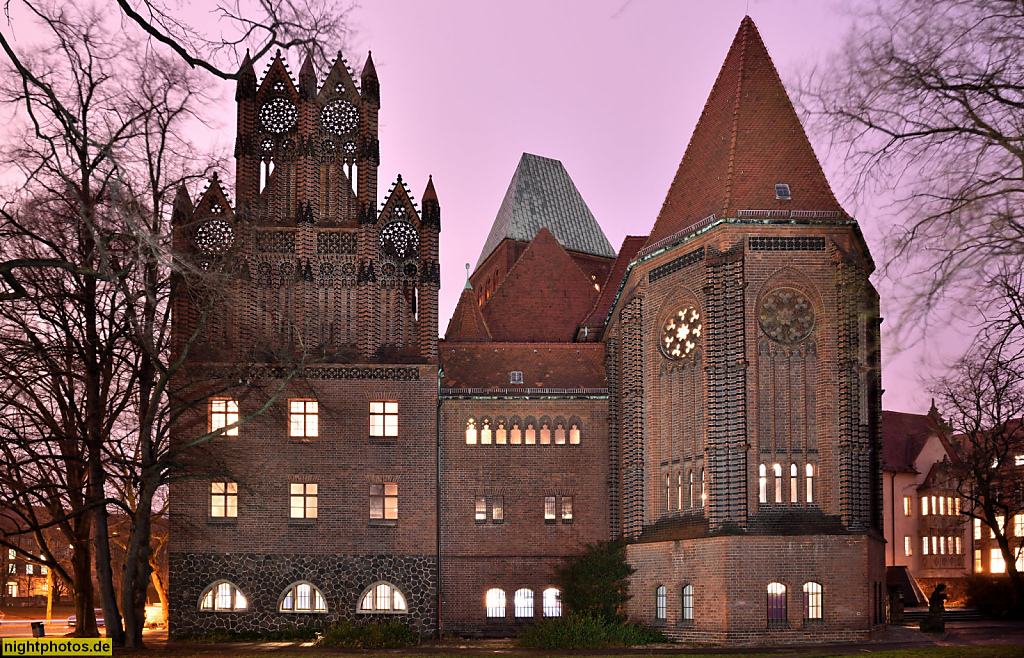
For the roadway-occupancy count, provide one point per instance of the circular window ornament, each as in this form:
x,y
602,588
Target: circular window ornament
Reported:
x,y
267,145
215,237
786,316
399,239
681,333
349,148
340,116
278,115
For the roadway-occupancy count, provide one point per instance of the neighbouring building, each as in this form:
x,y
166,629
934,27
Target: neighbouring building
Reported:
x,y
710,392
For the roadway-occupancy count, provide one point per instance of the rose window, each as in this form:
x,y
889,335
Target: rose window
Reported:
x,y
681,333
267,145
215,237
278,115
399,239
388,269
410,270
340,116
349,148
786,316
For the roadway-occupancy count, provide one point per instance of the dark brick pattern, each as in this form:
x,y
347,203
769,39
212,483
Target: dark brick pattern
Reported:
x,y
632,415
676,264
263,579
786,243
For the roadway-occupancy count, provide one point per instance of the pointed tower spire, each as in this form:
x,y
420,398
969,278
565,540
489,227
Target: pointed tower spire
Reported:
x,y
467,324
307,78
370,84
246,86
431,215
747,141
181,209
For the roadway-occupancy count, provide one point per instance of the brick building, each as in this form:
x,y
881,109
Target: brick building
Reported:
x,y
711,391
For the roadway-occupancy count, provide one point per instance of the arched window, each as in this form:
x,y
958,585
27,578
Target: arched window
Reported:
x,y
679,490
776,603
810,483
500,434
793,472
812,600
574,434
523,602
660,603
668,493
515,435
494,601
692,499
552,602
688,603
302,597
545,434
471,431
485,431
531,434
762,484
559,434
223,596
382,597
777,468
703,489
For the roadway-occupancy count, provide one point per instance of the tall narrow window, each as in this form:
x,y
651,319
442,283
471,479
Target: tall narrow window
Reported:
x,y
776,603
471,431
384,501
924,546
668,493
559,435
545,435
792,483
977,528
531,435
500,434
679,491
494,602
224,499
703,489
959,546
977,561
688,603
552,602
303,418
566,509
523,602
481,509
515,436
660,603
574,435
810,482
777,469
908,549
907,507
942,505
549,509
762,484
924,505
498,509
485,432
303,500
692,499
222,414
384,418
812,601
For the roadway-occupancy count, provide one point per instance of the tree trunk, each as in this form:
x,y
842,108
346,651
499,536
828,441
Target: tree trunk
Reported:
x,y
159,585
81,566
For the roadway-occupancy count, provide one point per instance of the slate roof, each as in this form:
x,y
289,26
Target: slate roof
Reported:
x,y
903,437
553,365
748,139
542,194
543,298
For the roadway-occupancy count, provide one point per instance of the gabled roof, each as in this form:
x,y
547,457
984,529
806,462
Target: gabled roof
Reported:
x,y
903,437
747,140
467,324
487,365
542,194
543,298
610,288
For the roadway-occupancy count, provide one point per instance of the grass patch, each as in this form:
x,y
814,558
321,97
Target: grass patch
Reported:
x,y
581,631
375,635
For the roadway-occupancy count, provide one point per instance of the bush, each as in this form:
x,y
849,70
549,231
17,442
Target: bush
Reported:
x,y
993,595
375,635
584,631
596,582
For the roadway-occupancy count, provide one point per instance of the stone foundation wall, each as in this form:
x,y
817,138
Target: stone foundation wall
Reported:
x,y
263,579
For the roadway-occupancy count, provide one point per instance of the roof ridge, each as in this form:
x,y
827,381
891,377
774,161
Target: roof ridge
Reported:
x,y
745,28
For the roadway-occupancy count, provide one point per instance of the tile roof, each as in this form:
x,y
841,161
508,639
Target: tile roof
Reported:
x,y
557,365
467,324
903,437
610,288
542,194
543,298
748,139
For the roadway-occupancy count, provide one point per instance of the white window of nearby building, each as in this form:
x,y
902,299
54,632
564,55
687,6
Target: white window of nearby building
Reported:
x,y
223,596
907,507
223,412
224,499
1018,460
1001,524
977,560
303,418
924,546
977,528
523,602
812,601
12,588
303,597
11,554
494,602
303,499
688,603
384,418
552,602
907,546
30,569
924,505
1018,525
996,563
382,597
660,603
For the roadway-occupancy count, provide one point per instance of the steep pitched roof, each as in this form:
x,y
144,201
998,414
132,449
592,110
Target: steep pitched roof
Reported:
x,y
487,365
467,324
542,194
748,139
610,288
543,298
903,437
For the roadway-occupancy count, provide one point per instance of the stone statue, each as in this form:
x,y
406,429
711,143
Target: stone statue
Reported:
x,y
934,622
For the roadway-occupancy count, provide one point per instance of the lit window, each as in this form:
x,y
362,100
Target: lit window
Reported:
x,y
1018,525
959,547
383,597
30,569
485,432
924,546
523,602
552,602
997,565
496,503
776,603
668,492
222,414
574,435
812,601
792,483
1019,562
471,431
688,603
222,597
679,490
935,545
224,499
908,549
932,510
383,418
977,561
906,506
942,507
549,509
924,505
43,569
12,589
566,509
810,482
942,545
501,433
956,501
11,554
1001,523
531,435
977,528
762,482
481,509
660,603
303,418
303,597
1018,460
384,501
494,602
515,435
12,568
693,500
703,489
777,469
303,500
545,435
559,435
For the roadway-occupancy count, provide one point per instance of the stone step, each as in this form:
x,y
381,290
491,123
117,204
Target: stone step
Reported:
x,y
915,615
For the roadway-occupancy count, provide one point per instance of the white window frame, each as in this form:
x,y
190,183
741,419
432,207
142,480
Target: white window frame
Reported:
x,y
383,597
302,498
223,596
302,593
223,412
383,499
384,418
223,500
303,418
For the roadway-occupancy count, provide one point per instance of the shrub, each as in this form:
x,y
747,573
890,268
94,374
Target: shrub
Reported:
x,y
595,583
374,635
584,631
286,633
993,595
